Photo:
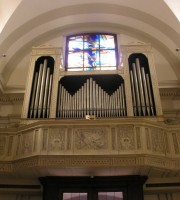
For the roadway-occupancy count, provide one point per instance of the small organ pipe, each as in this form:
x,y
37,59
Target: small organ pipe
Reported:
x,y
88,97
94,98
85,97
100,104
97,99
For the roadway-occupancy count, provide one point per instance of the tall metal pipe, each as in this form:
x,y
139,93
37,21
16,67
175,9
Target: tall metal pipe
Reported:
x,y
46,92
145,91
49,94
38,90
123,99
88,104
150,94
133,93
141,91
33,95
136,88
41,98
85,99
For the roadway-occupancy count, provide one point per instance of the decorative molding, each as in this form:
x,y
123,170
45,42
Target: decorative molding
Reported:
x,y
11,99
56,140
170,93
91,139
86,161
126,138
157,140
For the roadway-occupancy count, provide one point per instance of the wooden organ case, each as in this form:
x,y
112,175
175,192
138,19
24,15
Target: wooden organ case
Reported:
x,y
129,91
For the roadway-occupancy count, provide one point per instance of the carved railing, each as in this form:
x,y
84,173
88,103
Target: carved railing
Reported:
x,y
99,143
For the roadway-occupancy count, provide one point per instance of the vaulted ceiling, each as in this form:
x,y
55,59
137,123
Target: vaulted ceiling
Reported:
x,y
27,23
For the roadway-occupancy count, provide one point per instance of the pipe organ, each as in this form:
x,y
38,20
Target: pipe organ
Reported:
x,y
39,106
92,97
141,86
129,91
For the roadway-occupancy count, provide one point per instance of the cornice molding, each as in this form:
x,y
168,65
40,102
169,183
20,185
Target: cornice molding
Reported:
x,y
11,98
170,93
142,163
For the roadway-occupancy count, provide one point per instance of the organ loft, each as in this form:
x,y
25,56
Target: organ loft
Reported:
x,y
92,106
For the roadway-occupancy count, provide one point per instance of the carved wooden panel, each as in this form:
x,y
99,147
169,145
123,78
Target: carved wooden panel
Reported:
x,y
27,143
56,140
157,137
126,138
91,139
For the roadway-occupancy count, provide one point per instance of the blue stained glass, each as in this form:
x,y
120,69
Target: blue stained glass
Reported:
x,y
91,59
91,52
91,41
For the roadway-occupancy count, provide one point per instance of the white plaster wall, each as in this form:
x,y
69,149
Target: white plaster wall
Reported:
x,y
6,110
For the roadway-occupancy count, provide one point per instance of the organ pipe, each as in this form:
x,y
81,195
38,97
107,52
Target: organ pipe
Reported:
x,y
136,88
145,90
142,95
133,93
49,95
46,92
91,99
40,106
150,94
33,95
38,90
141,91
41,89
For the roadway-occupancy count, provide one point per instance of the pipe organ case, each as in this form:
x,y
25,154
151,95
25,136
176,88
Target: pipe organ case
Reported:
x,y
53,92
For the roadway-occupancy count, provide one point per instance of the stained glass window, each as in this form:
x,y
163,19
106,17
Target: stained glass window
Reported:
x,y
91,52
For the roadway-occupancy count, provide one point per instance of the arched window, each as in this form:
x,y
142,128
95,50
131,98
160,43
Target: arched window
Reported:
x,y
91,51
